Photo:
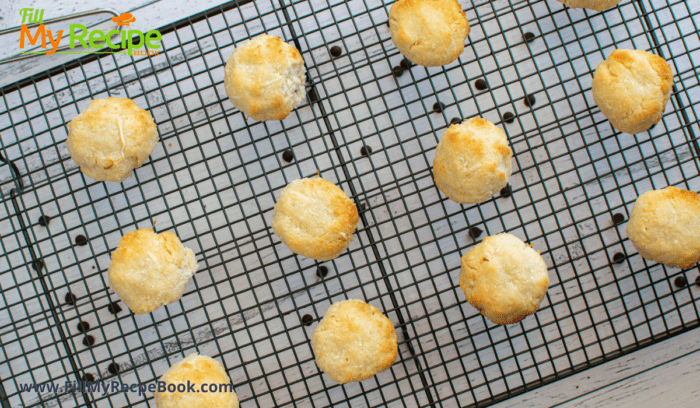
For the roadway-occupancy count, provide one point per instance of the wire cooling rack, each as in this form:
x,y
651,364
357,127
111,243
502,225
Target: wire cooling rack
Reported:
x,y
370,124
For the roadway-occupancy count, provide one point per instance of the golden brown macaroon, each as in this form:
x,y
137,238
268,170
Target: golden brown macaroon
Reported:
x,y
472,161
598,5
150,270
315,218
631,88
264,78
197,370
504,278
428,32
354,341
111,138
664,227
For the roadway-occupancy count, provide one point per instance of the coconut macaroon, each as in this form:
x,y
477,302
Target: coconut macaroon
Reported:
x,y
631,88
504,278
428,32
597,5
111,138
264,78
315,218
472,161
664,226
354,341
206,376
150,270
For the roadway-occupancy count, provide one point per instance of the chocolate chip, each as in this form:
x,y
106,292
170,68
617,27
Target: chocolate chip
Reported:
x,y
481,85
455,121
44,220
88,340
38,265
365,150
530,100
397,71
475,232
81,240
529,37
311,95
114,308
680,281
438,107
70,298
618,257
88,377
83,327
288,156
697,281
336,51
113,368
322,271
506,191
508,117
618,218
307,320
406,64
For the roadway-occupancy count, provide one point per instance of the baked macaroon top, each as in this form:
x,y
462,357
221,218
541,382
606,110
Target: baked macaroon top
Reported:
x,y
631,89
315,218
264,78
150,270
197,370
597,5
504,278
354,341
472,161
111,138
664,226
430,33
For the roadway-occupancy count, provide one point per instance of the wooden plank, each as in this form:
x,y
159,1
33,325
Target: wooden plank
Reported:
x,y
670,384
148,16
664,374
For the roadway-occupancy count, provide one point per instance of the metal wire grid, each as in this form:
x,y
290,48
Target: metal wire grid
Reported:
x,y
214,176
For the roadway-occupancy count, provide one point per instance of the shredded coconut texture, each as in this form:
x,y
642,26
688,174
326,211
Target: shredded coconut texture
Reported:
x,y
264,78
315,218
